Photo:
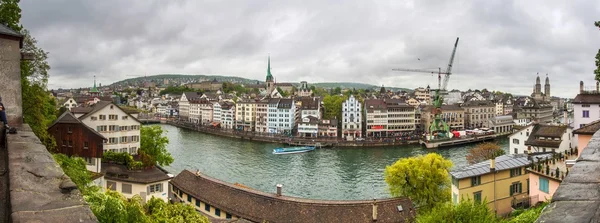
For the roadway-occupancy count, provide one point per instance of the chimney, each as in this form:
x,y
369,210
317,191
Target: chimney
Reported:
x,y
279,189
493,164
374,209
566,116
581,87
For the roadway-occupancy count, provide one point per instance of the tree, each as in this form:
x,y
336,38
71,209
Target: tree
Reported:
x,y
154,144
333,106
337,90
161,211
10,14
465,211
75,168
597,71
424,179
484,151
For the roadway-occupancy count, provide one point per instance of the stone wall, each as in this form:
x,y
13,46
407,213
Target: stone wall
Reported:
x,y
577,199
10,79
39,189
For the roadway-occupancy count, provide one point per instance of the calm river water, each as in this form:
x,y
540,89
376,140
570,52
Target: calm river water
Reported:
x,y
331,173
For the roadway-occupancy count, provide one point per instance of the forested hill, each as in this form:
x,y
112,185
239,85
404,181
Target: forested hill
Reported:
x,y
176,79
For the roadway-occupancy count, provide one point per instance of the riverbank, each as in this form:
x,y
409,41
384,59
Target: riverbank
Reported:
x,y
294,141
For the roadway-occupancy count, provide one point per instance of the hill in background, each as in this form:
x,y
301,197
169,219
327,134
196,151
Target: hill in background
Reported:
x,y
178,79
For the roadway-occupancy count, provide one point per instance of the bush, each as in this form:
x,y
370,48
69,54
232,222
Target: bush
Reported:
x,y
466,211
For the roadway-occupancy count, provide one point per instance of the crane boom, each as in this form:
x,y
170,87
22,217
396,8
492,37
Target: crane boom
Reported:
x,y
449,69
419,70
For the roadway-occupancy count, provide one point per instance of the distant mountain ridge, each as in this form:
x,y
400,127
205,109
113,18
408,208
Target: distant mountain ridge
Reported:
x,y
182,78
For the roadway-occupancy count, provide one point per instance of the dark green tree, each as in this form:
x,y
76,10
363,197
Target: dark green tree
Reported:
x,y
10,14
154,144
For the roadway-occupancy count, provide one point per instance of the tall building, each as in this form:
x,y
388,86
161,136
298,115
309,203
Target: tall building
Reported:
x,y
478,113
261,116
351,118
227,115
270,81
585,108
453,115
245,117
388,118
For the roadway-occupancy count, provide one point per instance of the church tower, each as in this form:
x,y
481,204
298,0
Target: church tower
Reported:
x,y
547,88
538,85
270,81
94,91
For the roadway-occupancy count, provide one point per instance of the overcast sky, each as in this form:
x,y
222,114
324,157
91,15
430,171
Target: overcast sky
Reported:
x,y
503,44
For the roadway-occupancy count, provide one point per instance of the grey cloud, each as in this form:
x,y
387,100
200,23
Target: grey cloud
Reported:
x,y
503,43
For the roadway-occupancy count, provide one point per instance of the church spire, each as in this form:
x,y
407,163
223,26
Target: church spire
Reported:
x,y
269,75
94,89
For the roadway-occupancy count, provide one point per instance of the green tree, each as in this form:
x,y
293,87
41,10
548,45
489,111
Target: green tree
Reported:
x,y
161,211
75,168
484,151
10,14
333,106
337,90
424,179
466,211
154,144
597,71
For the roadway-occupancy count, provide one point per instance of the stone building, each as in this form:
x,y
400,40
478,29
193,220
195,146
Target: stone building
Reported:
x,y
478,113
423,95
537,90
304,91
540,111
10,74
388,118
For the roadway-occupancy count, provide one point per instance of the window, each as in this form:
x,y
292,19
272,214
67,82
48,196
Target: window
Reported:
x,y
475,181
197,203
133,150
85,145
515,188
102,117
228,216
70,143
516,141
586,113
64,143
125,117
189,198
113,128
111,185
585,106
207,207
94,118
101,128
544,185
113,117
126,188
123,128
515,172
516,151
113,140
89,161
477,196
155,188
123,139
69,129
218,212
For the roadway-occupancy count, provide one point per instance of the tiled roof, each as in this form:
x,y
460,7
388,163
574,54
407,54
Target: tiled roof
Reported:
x,y
551,131
309,103
259,206
121,173
4,30
101,104
81,109
503,162
311,120
587,99
588,129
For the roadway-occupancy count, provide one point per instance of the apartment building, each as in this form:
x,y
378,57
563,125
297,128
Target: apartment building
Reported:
x,y
478,113
216,112
423,95
184,105
501,182
310,106
401,117
245,117
328,128
351,118
536,110
376,118
227,115
121,130
586,108
541,138
502,124
308,127
281,115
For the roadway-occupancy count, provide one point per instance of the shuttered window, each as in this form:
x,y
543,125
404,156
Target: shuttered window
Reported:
x,y
544,185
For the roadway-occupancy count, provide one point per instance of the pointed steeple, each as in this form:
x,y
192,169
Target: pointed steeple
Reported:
x,y
94,89
269,75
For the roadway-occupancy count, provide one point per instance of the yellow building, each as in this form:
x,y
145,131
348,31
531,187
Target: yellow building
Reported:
x,y
502,183
245,115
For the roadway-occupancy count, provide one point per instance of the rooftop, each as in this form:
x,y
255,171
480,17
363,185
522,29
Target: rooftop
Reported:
x,y
587,99
258,206
588,129
121,173
503,162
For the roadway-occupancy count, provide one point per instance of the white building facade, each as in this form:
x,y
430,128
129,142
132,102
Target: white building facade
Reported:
x,y
121,130
281,115
351,118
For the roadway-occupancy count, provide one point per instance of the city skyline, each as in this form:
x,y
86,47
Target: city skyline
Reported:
x,y
503,44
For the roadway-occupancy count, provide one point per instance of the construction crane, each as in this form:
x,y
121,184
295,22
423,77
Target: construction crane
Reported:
x,y
439,127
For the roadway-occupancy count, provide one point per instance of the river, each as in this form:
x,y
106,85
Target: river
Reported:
x,y
329,173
